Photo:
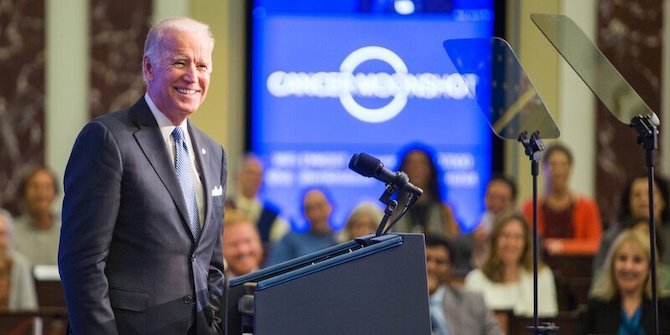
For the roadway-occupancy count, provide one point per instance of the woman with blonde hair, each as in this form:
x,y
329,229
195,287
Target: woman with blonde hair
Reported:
x,y
506,276
362,220
621,299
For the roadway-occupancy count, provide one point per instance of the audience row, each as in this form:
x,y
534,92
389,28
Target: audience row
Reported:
x,y
620,300
493,261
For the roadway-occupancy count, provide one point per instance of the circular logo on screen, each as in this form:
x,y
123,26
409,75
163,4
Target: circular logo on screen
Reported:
x,y
390,84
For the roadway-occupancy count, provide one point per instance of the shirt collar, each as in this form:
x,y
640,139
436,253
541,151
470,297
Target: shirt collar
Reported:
x,y
438,295
164,123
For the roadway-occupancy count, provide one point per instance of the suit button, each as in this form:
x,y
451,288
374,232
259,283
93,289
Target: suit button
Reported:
x,y
188,299
193,258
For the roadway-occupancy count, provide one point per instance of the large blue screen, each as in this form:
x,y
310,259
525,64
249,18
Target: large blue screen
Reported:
x,y
326,86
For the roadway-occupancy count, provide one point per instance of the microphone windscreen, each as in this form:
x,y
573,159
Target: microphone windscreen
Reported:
x,y
365,164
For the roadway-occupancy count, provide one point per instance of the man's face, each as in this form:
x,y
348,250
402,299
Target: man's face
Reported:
x,y
498,197
177,81
250,177
437,266
242,248
317,210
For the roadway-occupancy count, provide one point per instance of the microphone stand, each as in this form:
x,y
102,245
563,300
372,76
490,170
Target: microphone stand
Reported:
x,y
533,146
646,127
407,198
391,206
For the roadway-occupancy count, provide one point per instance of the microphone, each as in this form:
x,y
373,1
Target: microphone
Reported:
x,y
369,166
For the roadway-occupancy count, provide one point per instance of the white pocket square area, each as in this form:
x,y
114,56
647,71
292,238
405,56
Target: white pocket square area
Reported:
x,y
217,191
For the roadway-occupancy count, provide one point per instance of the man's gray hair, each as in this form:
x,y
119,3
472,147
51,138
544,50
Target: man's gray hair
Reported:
x,y
152,44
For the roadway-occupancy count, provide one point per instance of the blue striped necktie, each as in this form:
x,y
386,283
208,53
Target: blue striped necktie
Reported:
x,y
184,169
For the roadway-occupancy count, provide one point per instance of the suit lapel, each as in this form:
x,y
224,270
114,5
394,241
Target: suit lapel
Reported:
x,y
149,138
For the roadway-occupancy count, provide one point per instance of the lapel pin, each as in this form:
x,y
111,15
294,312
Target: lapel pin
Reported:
x,y
204,152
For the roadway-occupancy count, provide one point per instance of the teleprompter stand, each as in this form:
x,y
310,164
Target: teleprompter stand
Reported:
x,y
533,146
515,112
618,96
647,129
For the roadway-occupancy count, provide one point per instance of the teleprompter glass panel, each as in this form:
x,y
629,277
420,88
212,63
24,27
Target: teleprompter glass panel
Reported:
x,y
514,106
592,66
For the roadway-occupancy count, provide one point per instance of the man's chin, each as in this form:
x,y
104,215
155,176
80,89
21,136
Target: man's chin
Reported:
x,y
189,109
188,105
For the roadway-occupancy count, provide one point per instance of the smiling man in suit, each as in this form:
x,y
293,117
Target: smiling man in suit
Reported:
x,y
140,249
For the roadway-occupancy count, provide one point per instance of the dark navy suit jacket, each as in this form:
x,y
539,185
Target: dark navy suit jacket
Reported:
x,y
128,262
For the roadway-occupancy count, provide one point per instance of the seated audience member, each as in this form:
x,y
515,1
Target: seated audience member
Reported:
x,y
362,220
453,310
620,303
241,243
506,277
266,215
568,222
37,230
429,214
635,204
17,287
316,209
662,269
500,198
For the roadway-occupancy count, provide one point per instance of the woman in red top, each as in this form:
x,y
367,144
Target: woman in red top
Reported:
x,y
568,222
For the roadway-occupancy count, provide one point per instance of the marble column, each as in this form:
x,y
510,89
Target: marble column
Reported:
x,y
630,36
118,30
21,94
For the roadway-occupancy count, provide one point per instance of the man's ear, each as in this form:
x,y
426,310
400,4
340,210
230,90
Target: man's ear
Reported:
x,y
147,68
